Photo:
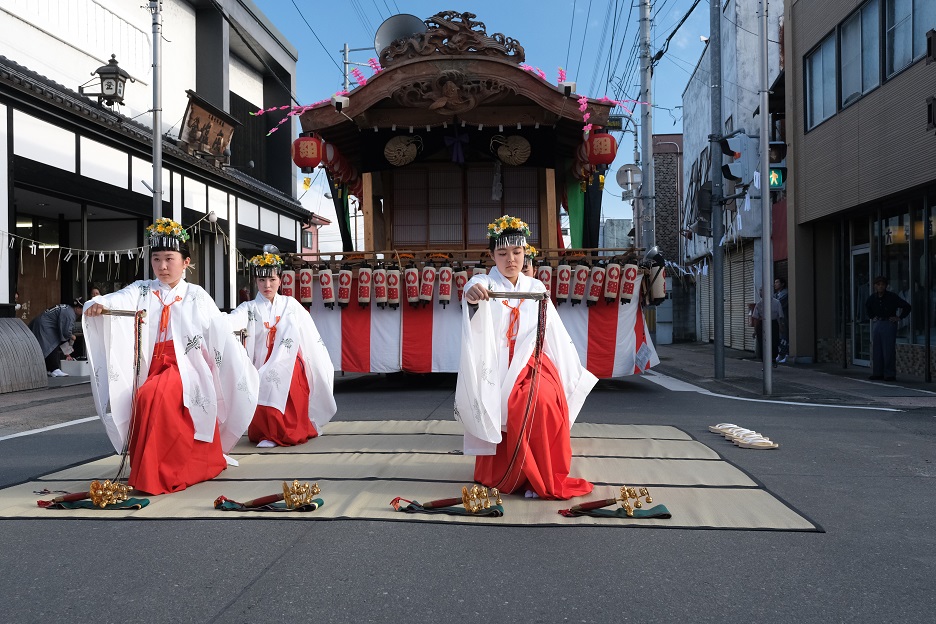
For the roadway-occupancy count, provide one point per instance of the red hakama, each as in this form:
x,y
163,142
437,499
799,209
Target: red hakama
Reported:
x,y
164,454
292,427
543,456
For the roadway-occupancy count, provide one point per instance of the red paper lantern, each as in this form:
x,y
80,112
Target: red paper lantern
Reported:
x,y
601,149
307,153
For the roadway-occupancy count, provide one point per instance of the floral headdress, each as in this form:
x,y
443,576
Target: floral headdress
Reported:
x,y
268,263
507,231
530,252
166,234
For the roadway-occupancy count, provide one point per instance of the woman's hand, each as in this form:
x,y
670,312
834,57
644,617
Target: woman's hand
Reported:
x,y
476,293
95,309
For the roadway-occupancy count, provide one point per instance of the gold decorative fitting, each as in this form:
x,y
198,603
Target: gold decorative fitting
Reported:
x,y
478,498
299,494
402,150
107,492
513,150
633,493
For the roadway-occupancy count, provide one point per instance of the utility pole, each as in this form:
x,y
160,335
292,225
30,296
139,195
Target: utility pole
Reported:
x,y
648,192
346,53
718,220
766,234
155,7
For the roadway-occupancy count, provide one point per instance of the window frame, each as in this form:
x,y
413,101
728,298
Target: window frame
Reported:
x,y
859,14
810,123
885,30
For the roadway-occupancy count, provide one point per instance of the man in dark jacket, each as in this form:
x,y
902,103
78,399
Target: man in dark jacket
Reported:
x,y
53,330
882,308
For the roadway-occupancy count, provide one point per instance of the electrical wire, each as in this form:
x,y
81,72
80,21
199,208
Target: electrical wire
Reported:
x,y
250,47
312,30
596,69
584,39
571,26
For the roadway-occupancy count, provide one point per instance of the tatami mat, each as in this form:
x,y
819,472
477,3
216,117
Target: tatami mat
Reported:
x,y
451,444
361,466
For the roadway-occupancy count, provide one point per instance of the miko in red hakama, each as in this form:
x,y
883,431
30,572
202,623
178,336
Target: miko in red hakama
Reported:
x,y
536,452
164,455
287,428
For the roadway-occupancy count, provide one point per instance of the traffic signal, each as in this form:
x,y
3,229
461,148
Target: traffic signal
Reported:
x,y
776,156
742,152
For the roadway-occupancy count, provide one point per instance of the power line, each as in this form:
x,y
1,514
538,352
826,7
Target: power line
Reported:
x,y
596,69
250,47
312,30
660,53
571,26
379,12
584,38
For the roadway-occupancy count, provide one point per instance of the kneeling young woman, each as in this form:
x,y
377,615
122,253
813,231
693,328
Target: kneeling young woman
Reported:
x,y
196,390
518,408
296,374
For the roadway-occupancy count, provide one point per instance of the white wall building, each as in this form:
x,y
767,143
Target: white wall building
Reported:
x,y
740,101
74,198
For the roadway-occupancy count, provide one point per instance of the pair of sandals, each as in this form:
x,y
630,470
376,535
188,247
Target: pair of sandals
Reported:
x,y
744,438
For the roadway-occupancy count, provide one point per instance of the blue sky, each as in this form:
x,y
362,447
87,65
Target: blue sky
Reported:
x,y
577,35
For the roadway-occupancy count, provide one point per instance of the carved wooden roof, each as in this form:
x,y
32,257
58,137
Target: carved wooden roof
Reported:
x,y
453,75
452,33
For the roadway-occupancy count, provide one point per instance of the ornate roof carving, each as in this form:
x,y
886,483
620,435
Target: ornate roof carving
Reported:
x,y
451,92
452,33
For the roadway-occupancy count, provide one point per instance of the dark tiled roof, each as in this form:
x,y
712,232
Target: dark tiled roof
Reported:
x,y
28,81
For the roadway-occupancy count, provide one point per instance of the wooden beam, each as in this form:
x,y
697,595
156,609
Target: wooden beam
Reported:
x,y
367,206
551,239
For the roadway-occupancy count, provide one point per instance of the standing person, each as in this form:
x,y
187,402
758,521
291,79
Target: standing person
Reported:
x,y
776,315
296,374
517,411
529,257
882,307
782,295
197,390
53,329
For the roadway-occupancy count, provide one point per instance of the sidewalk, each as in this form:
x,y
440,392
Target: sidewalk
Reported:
x,y
694,363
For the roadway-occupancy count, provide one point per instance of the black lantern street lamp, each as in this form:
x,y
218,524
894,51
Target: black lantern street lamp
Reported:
x,y
113,81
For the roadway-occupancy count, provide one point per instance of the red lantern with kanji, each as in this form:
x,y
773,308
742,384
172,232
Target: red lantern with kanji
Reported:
x,y
307,152
601,148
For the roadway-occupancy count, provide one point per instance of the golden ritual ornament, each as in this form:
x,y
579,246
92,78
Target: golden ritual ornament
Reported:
x,y
108,493
478,498
299,494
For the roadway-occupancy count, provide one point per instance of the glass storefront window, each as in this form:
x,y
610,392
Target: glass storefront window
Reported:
x,y
917,294
893,235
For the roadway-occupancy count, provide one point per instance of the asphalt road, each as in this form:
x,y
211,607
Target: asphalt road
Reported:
x,y
865,476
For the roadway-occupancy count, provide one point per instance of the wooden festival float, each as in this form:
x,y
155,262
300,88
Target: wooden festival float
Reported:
x,y
453,131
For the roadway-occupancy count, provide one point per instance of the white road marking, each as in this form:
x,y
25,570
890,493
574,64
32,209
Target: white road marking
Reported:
x,y
675,385
49,428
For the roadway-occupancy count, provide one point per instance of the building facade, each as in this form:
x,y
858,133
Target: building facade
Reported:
x,y
742,243
75,193
862,174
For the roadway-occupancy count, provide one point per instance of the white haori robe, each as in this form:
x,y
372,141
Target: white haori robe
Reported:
x,y
486,375
296,334
219,385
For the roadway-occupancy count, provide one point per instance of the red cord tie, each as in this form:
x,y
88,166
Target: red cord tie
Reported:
x,y
162,335
271,337
513,328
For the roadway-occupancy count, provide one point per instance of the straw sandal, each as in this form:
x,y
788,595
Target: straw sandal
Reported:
x,y
738,432
722,427
757,443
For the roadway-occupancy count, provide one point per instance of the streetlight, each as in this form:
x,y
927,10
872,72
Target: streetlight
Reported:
x,y
113,80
